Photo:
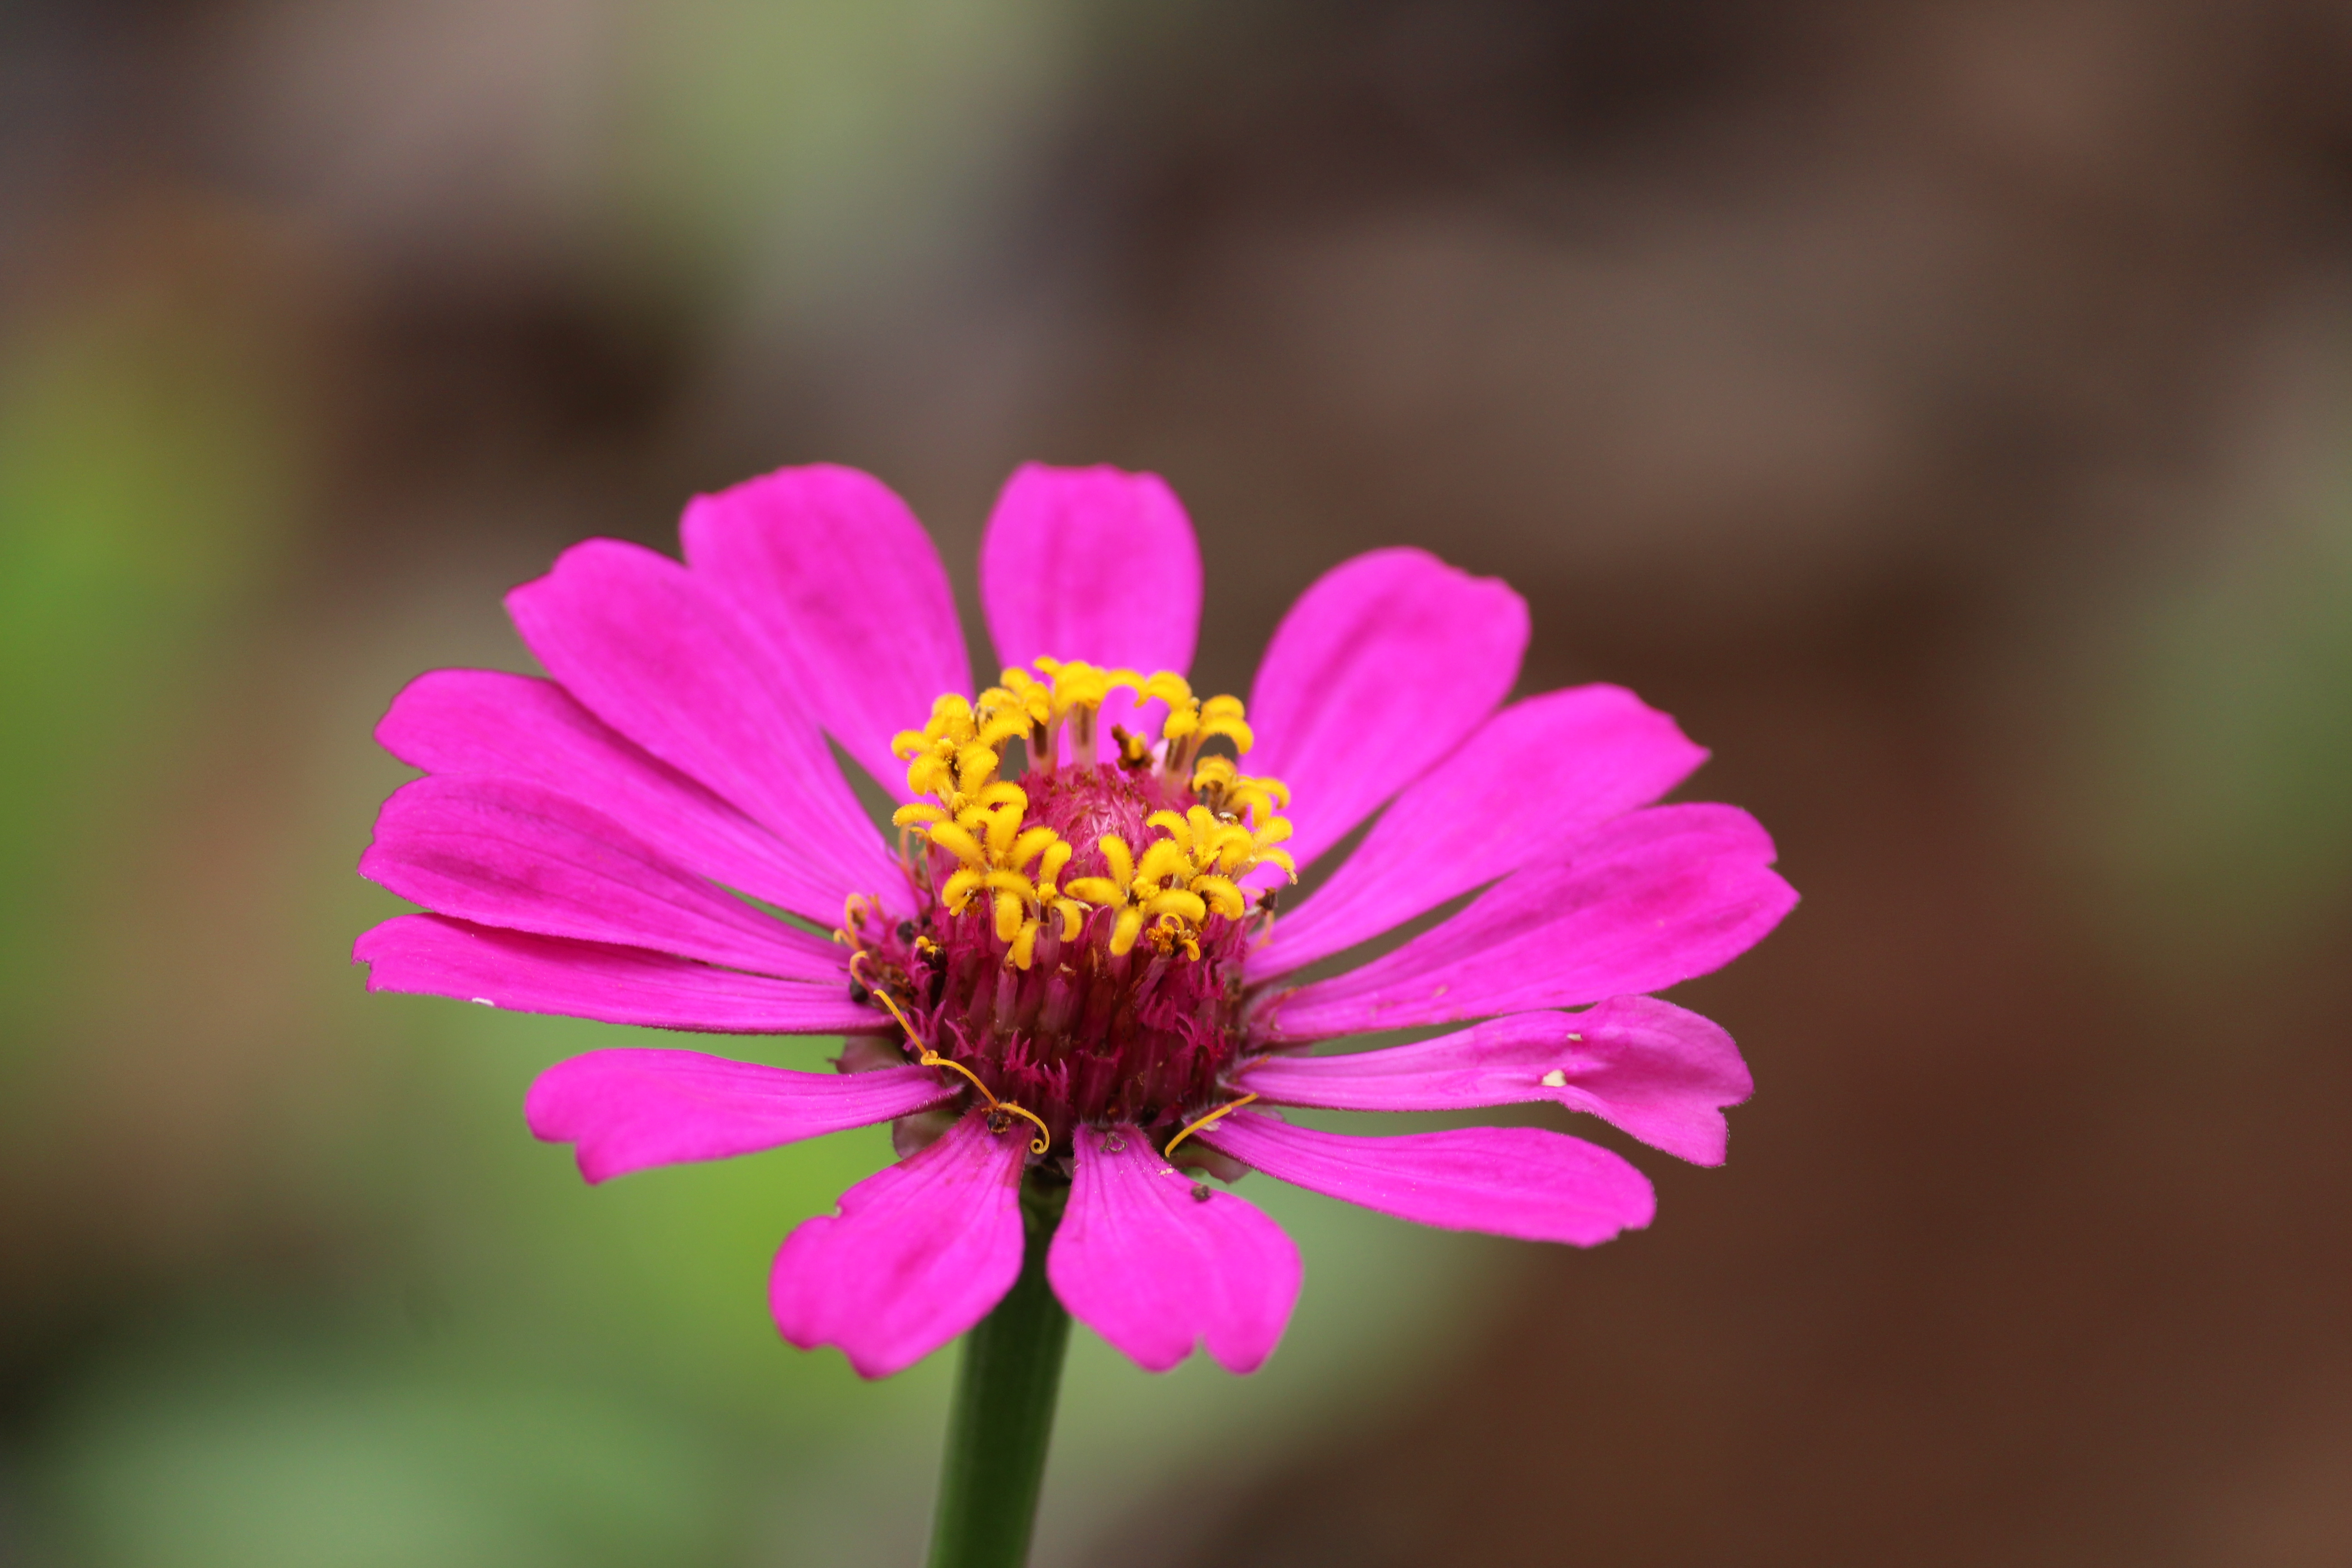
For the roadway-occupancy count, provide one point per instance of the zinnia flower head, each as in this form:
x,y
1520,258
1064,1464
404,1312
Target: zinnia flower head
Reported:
x,y
1064,954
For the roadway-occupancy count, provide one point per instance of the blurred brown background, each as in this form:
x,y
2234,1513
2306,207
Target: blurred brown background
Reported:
x,y
1945,410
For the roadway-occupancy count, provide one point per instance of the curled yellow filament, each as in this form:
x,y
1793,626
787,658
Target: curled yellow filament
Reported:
x,y
1037,1145
931,1058
1195,1125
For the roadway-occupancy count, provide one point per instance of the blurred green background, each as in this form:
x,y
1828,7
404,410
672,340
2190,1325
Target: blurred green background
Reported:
x,y
1947,411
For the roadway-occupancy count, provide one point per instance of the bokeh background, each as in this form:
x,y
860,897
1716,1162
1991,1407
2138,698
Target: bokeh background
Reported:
x,y
1944,408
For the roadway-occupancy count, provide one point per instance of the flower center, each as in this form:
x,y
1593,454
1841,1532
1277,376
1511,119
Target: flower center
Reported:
x,y
1079,950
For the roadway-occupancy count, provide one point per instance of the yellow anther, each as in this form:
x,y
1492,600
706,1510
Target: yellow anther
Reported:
x,y
960,888
1163,859
999,824
1194,1126
1221,895
1030,844
1006,880
958,841
1190,724
1011,725
1049,893
1022,693
1167,685
1226,722
975,770
1125,928
1011,909
1185,906
1000,794
1115,891
1231,850
1221,786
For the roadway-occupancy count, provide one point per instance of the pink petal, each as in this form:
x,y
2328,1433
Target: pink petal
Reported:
x,y
488,721
1091,563
1657,1072
1533,776
433,956
1510,1181
1156,1263
508,852
632,1109
1381,667
918,1253
829,567
650,651
1641,903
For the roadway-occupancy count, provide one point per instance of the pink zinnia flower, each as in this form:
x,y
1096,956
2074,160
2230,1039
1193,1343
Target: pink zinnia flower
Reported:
x,y
1080,966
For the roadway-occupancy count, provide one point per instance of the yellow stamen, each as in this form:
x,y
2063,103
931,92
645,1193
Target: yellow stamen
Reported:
x,y
1221,896
958,841
1121,859
1125,928
960,889
1186,907
1009,911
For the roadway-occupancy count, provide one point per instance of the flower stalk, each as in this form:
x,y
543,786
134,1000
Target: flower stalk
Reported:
x,y
1007,1383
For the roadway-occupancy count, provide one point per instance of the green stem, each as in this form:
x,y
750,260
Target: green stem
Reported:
x,y
1003,1414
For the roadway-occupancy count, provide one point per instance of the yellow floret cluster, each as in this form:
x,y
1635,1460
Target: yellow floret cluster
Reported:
x,y
1178,880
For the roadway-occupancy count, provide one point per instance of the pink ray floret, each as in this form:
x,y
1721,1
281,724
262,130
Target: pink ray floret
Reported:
x,y
918,1253
1155,1261
1061,962
1648,1068
630,1110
